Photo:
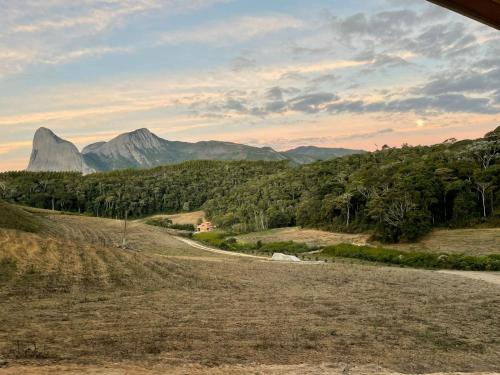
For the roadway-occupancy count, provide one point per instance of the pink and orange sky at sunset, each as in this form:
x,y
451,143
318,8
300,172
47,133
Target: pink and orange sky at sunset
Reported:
x,y
264,73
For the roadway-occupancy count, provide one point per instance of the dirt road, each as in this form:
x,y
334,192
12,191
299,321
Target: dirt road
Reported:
x,y
217,251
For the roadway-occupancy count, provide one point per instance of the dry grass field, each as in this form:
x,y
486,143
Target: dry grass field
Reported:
x,y
182,218
468,241
311,237
73,301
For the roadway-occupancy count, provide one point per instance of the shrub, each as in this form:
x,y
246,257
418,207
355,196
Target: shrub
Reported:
x,y
187,227
415,259
214,238
284,247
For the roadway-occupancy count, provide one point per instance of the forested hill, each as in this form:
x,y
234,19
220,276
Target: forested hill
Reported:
x,y
398,193
173,188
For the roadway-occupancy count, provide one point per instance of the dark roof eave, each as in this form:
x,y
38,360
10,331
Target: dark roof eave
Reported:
x,y
485,11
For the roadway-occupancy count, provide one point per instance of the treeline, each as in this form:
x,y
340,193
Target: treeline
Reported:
x,y
168,189
397,193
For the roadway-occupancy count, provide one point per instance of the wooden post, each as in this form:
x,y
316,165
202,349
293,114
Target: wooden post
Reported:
x,y
124,238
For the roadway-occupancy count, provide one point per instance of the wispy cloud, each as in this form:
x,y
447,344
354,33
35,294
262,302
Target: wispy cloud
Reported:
x,y
6,148
233,31
49,32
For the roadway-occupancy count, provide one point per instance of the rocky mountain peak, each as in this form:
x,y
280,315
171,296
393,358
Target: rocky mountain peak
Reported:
x,y
51,153
141,138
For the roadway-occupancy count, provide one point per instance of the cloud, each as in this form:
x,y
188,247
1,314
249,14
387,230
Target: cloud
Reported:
x,y
385,26
298,70
99,110
6,148
445,103
325,78
89,16
84,53
242,63
301,50
275,93
364,135
29,17
46,32
311,103
384,59
441,41
275,100
464,80
423,31
237,30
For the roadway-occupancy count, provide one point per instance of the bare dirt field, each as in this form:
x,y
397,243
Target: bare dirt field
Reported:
x,y
184,218
468,241
75,303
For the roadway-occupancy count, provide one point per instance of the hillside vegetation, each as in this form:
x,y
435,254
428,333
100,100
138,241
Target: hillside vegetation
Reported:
x,y
399,194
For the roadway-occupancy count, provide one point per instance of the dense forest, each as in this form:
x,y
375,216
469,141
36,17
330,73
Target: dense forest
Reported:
x,y
140,192
397,193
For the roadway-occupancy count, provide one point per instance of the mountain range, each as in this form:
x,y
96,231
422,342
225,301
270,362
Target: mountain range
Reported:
x,y
143,149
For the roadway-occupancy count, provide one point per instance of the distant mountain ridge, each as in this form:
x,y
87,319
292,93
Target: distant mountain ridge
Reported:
x,y
143,149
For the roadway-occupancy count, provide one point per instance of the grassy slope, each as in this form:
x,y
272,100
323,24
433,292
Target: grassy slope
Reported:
x,y
74,298
15,217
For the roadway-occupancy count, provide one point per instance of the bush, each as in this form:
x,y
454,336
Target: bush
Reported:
x,y
187,227
415,259
215,238
284,247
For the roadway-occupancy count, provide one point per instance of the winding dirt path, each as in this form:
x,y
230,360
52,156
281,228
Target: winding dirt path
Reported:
x,y
197,245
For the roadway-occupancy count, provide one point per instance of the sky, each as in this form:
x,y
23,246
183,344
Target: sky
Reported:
x,y
355,74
